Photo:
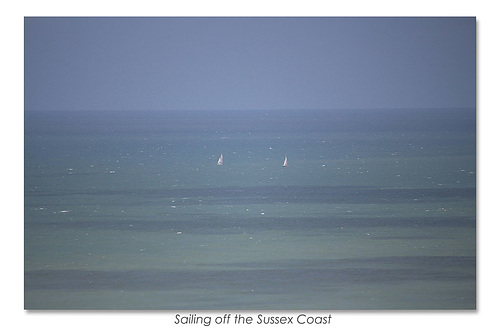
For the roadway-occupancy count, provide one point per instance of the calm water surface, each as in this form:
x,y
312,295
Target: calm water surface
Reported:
x,y
129,210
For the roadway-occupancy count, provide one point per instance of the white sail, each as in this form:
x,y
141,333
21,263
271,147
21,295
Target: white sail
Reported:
x,y
285,163
220,162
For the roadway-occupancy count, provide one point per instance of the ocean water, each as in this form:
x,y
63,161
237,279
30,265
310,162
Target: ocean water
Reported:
x,y
129,210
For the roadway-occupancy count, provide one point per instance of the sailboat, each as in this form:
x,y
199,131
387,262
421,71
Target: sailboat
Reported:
x,y
285,163
220,162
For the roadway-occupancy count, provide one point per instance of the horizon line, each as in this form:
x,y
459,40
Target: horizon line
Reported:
x,y
248,110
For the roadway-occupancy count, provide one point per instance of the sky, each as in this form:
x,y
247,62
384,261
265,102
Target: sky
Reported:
x,y
248,63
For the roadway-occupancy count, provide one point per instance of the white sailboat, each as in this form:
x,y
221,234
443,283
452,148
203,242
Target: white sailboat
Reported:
x,y
285,163
220,162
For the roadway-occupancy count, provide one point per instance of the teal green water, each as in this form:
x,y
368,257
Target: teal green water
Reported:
x,y
129,210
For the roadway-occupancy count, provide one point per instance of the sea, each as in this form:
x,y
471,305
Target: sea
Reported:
x,y
128,210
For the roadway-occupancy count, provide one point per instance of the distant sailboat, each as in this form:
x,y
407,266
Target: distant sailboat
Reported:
x,y
285,163
220,162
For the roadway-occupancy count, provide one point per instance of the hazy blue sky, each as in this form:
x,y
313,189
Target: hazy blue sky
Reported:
x,y
249,63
